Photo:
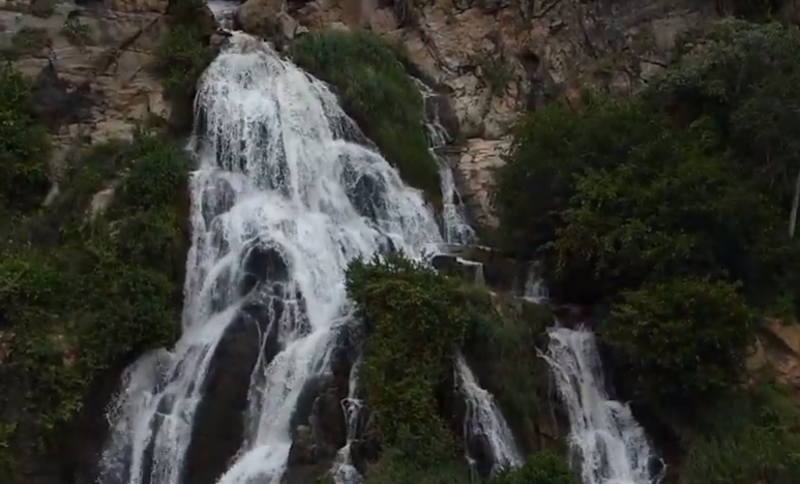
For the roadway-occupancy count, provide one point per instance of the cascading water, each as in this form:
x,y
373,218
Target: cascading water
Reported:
x,y
281,204
608,445
454,225
344,472
534,290
484,418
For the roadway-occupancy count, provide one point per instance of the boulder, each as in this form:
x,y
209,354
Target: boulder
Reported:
x,y
260,17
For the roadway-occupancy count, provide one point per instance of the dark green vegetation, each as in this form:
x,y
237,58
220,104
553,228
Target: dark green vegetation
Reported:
x,y
81,293
673,214
751,438
182,55
24,146
377,92
415,321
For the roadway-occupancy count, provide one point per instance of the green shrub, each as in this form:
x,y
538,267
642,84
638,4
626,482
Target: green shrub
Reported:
x,y
378,93
24,145
554,145
681,340
393,468
182,55
414,319
110,289
745,77
667,212
540,468
501,350
751,437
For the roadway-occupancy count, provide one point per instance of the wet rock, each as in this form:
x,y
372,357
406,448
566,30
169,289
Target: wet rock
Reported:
x,y
305,401
452,266
365,192
480,451
218,199
500,273
346,129
260,17
219,422
438,108
261,264
366,449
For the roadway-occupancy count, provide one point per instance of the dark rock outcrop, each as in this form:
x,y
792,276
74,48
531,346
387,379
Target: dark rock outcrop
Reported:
x,y
219,422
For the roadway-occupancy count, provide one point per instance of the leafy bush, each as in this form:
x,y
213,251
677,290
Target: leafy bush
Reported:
x,y
552,147
24,146
681,338
393,468
414,319
376,91
501,350
540,468
751,437
183,53
668,211
745,77
107,292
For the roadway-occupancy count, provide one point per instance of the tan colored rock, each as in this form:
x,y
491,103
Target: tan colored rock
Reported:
x,y
260,17
474,168
97,91
100,202
138,6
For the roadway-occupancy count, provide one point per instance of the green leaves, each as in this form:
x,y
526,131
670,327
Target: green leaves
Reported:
x,y
107,290
415,318
685,189
24,146
378,93
682,338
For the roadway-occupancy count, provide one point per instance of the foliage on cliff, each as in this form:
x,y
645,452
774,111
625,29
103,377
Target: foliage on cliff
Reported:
x,y
182,54
665,329
378,93
83,293
751,437
23,145
416,320
670,211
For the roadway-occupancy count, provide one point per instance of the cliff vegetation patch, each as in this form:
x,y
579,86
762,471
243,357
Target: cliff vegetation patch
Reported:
x,y
415,322
672,214
84,288
378,93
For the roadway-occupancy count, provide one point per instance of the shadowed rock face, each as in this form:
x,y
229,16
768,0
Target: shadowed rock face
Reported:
x,y
219,429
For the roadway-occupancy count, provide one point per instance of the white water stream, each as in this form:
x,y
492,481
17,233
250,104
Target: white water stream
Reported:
x,y
608,445
484,417
277,182
280,204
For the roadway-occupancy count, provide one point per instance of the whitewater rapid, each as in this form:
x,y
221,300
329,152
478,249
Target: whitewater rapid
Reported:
x,y
278,188
607,444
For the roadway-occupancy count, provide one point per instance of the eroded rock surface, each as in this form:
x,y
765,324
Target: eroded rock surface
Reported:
x,y
497,58
91,62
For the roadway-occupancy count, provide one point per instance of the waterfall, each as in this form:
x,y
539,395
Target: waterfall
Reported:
x,y
454,221
608,445
344,472
484,418
280,204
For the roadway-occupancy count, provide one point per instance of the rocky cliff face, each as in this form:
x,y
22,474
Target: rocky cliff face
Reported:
x,y
90,60
496,58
